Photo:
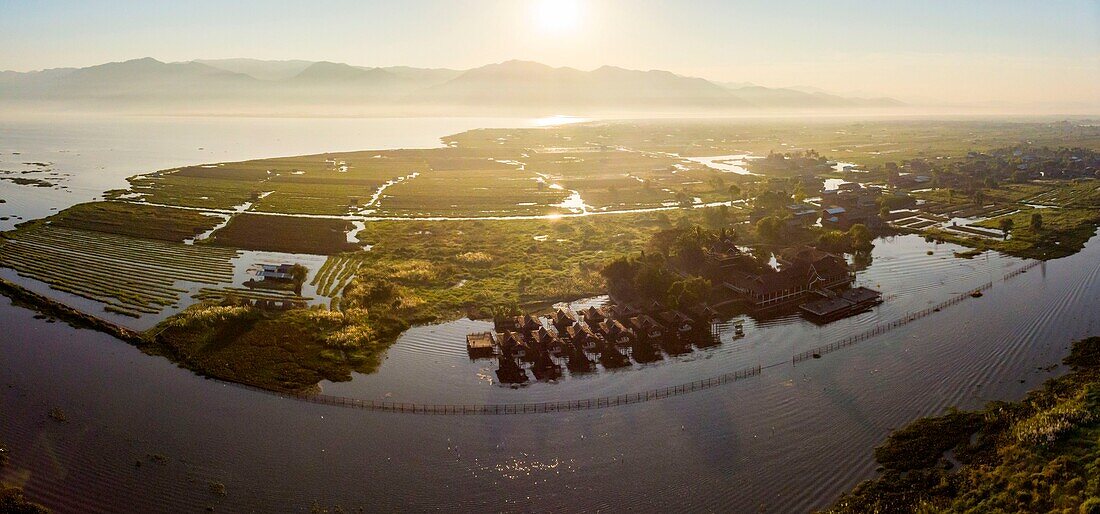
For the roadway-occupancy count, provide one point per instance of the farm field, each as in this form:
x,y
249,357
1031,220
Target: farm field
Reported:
x,y
135,220
284,234
130,276
336,273
1070,212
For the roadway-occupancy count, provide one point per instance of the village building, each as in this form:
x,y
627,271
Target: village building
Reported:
x,y
562,318
802,214
582,336
512,345
801,270
276,271
578,361
678,321
845,303
614,332
594,316
545,340
480,344
647,327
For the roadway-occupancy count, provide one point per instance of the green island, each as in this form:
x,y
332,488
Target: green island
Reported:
x,y
1040,454
515,220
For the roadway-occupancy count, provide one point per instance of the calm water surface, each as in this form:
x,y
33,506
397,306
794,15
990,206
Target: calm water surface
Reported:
x,y
791,439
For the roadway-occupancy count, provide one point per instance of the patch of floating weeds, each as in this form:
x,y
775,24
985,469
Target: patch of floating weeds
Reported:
x,y
58,415
217,488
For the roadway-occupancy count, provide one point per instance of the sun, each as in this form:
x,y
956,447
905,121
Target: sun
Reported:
x,y
557,16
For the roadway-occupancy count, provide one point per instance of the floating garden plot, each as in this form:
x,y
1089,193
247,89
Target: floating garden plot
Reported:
x,y
336,273
131,276
242,293
318,236
200,192
144,221
499,191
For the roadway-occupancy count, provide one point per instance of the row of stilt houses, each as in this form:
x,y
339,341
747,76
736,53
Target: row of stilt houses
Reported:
x,y
611,335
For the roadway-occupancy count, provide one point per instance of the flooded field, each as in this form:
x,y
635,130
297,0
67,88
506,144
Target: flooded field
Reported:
x,y
790,439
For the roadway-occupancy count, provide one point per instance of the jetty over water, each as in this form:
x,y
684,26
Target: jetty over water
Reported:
x,y
842,304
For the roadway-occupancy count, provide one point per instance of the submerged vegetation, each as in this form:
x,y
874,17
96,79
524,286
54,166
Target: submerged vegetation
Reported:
x,y
1041,454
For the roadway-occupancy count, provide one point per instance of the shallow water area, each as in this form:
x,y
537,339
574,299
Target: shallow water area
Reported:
x,y
429,364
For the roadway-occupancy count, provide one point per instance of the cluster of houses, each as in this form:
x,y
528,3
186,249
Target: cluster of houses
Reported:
x,y
850,204
800,273
611,335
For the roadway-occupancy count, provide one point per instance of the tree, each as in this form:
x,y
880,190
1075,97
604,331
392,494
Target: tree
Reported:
x,y
524,280
368,293
771,200
652,279
799,193
717,183
689,246
687,292
861,237
716,217
619,272
1036,221
503,311
734,191
834,241
298,274
1006,226
769,227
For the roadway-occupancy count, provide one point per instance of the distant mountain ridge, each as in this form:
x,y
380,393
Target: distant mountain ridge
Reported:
x,y
251,85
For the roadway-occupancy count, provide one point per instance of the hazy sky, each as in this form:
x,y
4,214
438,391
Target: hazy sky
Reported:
x,y
954,51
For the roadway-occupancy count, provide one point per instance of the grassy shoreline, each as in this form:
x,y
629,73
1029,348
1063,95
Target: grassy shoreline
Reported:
x,y
1039,454
12,498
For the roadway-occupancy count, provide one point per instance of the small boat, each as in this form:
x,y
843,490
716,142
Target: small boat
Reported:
x,y
739,329
976,294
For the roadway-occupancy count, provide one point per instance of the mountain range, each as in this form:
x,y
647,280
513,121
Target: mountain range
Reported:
x,y
287,87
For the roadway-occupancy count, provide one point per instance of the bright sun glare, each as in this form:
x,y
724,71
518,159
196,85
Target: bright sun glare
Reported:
x,y
557,16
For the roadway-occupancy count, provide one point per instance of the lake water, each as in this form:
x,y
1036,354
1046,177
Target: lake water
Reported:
x,y
790,439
